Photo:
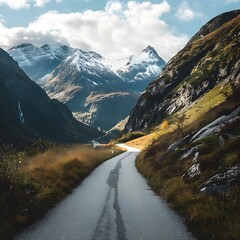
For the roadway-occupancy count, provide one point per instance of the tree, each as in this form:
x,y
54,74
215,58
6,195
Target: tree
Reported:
x,y
178,121
164,125
234,93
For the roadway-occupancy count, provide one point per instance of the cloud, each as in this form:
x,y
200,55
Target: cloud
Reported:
x,y
118,30
232,1
19,4
40,3
15,4
185,13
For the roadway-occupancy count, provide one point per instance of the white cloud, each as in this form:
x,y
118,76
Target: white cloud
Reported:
x,y
232,1
119,30
16,4
40,3
185,13
1,19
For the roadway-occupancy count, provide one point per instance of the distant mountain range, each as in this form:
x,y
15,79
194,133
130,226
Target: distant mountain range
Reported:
x,y
27,113
99,91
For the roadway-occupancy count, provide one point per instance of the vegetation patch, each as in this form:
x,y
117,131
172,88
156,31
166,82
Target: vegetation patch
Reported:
x,y
33,181
208,215
130,136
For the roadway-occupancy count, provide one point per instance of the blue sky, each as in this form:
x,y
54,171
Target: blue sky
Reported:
x,y
114,29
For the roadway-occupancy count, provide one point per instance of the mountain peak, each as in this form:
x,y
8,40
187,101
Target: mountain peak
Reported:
x,y
23,45
182,82
151,52
148,49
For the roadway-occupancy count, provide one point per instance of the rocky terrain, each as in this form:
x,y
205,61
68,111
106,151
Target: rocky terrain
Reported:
x,y
210,57
27,113
192,114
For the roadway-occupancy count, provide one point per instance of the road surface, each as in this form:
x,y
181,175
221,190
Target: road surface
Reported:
x,y
114,202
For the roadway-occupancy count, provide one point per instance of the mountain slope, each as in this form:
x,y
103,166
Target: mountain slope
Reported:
x,y
192,111
138,71
39,62
94,88
99,91
28,113
210,57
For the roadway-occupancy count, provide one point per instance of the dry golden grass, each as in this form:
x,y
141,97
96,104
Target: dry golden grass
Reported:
x,y
65,166
195,112
53,158
39,182
142,142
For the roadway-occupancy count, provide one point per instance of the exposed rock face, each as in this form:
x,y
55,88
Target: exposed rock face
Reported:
x,y
222,181
216,126
94,93
210,57
99,91
106,109
225,177
28,113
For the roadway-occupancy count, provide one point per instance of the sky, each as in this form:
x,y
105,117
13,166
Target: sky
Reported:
x,y
112,28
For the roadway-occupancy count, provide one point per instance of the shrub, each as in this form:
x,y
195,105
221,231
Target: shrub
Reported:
x,y
130,136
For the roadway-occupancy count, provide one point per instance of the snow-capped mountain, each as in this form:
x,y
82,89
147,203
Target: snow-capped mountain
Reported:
x,y
99,91
138,70
38,62
95,94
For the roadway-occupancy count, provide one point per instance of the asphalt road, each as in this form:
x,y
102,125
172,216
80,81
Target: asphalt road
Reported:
x,y
114,202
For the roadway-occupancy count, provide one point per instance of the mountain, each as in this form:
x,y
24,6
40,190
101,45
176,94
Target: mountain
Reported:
x,y
36,62
210,57
28,113
138,71
99,91
93,92
191,115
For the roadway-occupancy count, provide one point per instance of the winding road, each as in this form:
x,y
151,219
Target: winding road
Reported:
x,y
113,203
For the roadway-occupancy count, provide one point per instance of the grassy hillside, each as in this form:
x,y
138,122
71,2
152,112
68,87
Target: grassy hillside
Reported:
x,y
34,180
210,208
209,58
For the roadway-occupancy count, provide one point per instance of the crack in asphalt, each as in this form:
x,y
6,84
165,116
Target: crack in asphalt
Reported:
x,y
104,228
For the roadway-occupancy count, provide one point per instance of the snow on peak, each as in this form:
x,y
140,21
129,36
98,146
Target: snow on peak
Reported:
x,y
23,45
90,62
147,59
151,52
149,49
144,66
28,55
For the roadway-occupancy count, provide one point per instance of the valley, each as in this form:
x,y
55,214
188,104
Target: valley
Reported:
x,y
77,129
99,91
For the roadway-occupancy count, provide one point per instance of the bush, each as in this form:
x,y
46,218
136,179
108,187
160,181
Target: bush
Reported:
x,y
130,136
